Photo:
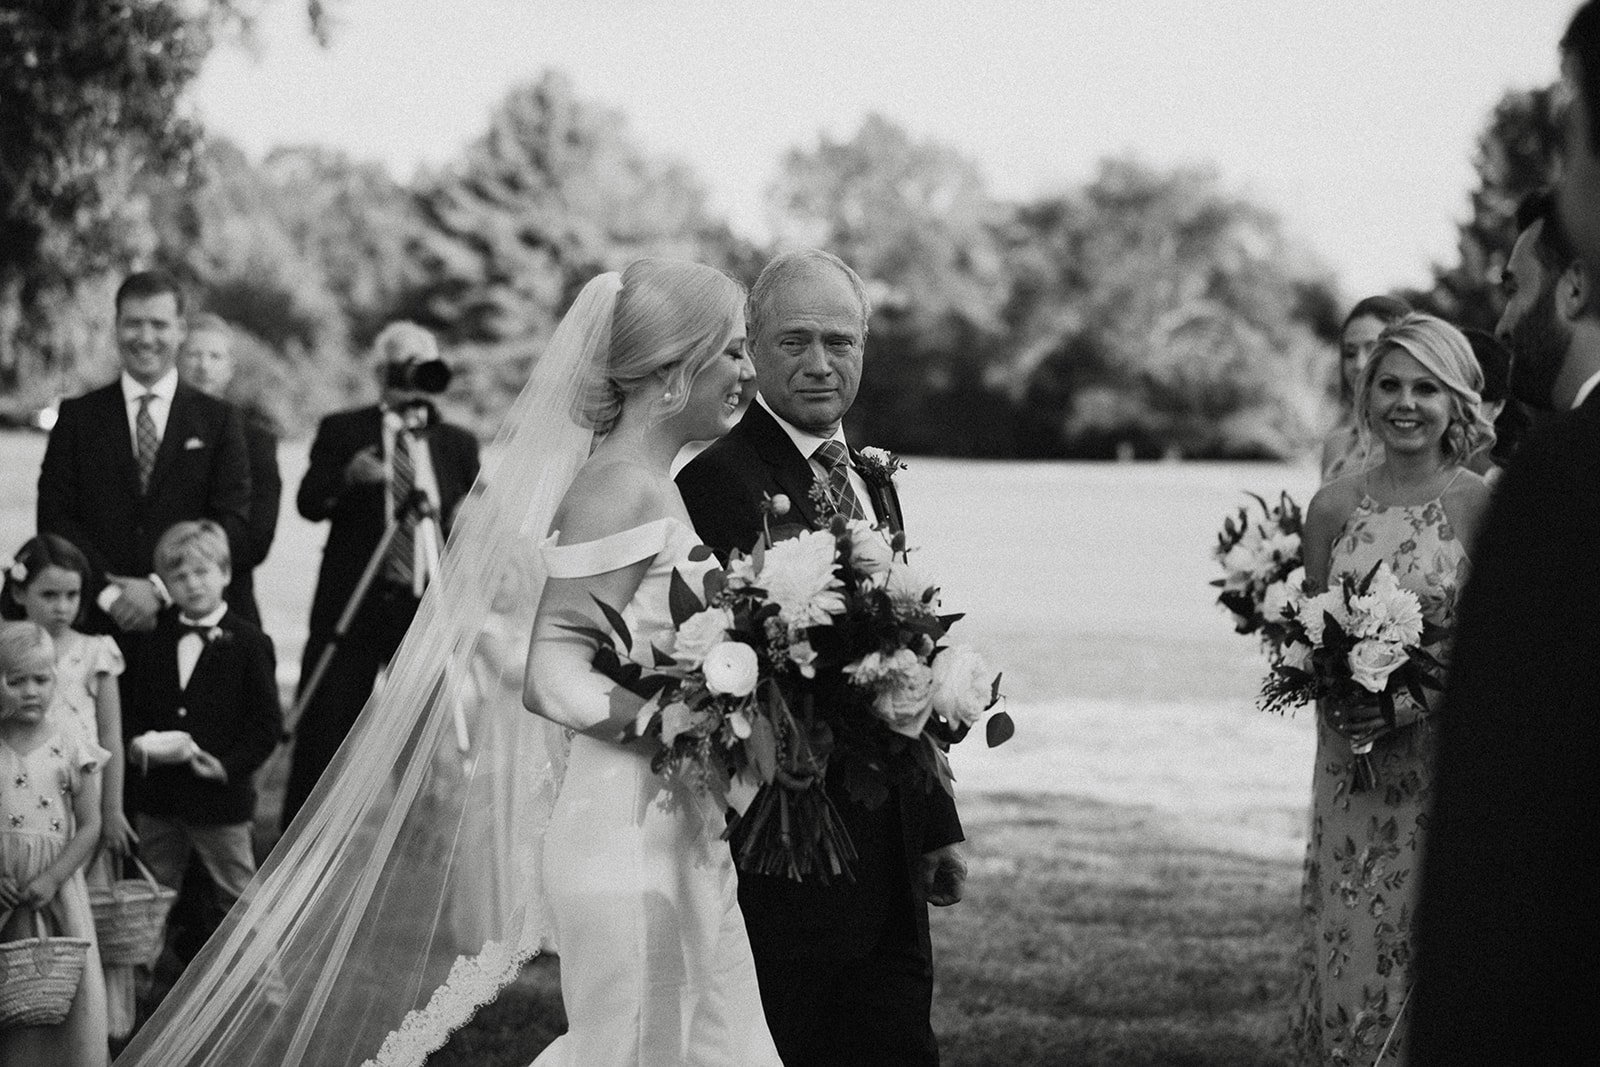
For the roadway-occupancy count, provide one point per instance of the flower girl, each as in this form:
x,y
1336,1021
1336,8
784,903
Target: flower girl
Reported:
x,y
49,827
46,584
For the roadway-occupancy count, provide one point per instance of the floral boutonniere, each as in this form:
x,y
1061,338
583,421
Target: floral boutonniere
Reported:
x,y
878,465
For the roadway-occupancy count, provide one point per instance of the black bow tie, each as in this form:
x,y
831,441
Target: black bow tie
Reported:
x,y
201,631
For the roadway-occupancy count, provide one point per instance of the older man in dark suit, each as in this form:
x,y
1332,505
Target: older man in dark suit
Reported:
x,y
129,459
1508,924
846,970
364,464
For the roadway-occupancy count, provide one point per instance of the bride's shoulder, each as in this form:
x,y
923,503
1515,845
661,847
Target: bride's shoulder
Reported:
x,y
609,496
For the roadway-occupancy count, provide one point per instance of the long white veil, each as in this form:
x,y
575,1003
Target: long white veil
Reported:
x,y
406,893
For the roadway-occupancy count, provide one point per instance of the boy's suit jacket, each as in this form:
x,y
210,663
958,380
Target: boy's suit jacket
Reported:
x,y
230,707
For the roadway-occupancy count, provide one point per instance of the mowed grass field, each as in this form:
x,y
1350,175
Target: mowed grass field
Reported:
x,y
1134,850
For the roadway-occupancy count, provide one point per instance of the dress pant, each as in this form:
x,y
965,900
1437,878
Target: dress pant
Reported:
x,y
366,649
872,1010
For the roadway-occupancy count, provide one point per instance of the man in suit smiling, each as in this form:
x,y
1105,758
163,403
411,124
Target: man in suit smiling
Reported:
x,y
129,459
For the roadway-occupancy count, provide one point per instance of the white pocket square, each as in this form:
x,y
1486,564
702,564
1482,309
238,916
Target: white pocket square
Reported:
x,y
192,443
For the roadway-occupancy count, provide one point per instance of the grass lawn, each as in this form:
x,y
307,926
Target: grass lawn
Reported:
x,y
1134,851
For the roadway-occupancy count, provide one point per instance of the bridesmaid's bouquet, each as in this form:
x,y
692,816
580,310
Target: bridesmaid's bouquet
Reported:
x,y
1262,570
825,634
1357,647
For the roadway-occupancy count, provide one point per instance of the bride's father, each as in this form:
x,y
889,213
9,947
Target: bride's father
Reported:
x,y
846,970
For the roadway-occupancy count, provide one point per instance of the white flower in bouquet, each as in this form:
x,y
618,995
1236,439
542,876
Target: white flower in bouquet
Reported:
x,y
869,549
1281,547
1314,610
1371,663
731,669
1245,560
1278,599
1387,611
1296,654
699,633
963,685
797,574
906,702
912,592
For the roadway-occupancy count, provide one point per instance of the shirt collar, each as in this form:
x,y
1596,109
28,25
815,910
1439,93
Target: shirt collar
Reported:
x,y
804,440
209,619
164,387
1585,389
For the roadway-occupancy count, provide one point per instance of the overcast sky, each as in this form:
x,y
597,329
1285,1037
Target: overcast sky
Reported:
x,y
1354,119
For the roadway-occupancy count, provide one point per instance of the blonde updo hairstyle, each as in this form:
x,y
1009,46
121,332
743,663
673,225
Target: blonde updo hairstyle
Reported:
x,y
670,316
1445,353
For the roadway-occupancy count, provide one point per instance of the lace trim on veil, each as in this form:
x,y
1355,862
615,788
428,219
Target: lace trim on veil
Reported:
x,y
474,981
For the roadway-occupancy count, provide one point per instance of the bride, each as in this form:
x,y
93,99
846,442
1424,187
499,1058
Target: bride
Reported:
x,y
454,834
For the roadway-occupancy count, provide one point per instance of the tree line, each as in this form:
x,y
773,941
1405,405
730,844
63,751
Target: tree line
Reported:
x,y
1151,311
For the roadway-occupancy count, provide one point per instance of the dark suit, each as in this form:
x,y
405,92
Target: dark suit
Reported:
x,y
1508,940
846,970
266,494
358,514
89,481
230,707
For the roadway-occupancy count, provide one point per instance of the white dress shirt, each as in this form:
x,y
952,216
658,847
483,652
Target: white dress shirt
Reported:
x,y
191,645
808,443
160,406
422,468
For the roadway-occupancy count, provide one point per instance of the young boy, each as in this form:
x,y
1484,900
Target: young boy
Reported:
x,y
203,715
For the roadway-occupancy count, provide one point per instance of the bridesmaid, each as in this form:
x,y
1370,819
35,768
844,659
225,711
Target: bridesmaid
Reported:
x,y
1417,509
1346,448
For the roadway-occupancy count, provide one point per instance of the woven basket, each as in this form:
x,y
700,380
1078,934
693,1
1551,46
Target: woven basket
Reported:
x,y
130,916
39,976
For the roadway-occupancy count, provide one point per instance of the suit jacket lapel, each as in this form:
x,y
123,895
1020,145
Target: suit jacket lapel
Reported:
x,y
116,417
789,468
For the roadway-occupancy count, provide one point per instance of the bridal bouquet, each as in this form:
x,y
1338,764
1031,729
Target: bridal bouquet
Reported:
x,y
827,633
1262,571
1356,647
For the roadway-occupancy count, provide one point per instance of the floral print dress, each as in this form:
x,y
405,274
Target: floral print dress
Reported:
x,y
36,791
1360,890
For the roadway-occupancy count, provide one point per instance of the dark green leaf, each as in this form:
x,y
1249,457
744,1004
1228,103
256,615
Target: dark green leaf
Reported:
x,y
999,729
681,600
614,619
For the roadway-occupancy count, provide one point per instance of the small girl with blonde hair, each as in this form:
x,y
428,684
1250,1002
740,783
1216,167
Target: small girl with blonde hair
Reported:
x,y
48,583
49,828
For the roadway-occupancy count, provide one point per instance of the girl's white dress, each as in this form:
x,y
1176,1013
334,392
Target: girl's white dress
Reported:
x,y
85,662
36,822
655,961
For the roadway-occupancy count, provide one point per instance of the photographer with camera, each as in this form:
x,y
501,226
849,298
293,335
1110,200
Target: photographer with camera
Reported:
x,y
388,478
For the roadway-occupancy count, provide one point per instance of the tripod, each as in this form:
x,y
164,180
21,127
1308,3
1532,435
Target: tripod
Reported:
x,y
416,505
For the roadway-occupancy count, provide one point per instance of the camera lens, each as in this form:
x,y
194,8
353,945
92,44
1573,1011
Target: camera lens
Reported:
x,y
422,376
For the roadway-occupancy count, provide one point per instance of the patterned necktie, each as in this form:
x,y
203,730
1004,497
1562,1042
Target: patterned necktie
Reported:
x,y
145,441
399,566
836,461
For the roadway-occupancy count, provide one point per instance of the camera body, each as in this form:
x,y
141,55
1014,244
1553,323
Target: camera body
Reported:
x,y
418,376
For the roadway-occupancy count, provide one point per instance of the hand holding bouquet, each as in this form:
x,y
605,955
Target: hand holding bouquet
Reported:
x,y
1356,648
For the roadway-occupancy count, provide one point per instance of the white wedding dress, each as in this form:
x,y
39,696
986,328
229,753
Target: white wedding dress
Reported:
x,y
655,962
